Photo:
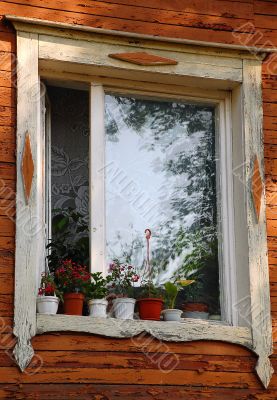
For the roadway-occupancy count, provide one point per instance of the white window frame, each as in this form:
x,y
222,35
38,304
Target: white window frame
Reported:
x,y
227,270
83,56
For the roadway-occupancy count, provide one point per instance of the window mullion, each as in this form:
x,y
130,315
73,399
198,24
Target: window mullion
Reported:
x,y
97,178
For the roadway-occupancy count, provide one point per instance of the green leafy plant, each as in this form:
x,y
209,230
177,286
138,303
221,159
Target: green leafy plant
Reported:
x,y
149,290
172,290
98,288
70,239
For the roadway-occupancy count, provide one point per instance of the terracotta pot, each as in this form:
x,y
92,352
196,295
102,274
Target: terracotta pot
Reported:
x,y
201,307
73,303
150,308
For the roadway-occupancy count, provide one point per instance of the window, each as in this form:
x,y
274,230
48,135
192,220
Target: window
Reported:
x,y
228,83
159,162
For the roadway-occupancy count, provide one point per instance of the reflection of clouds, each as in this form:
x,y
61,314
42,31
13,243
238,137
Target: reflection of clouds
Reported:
x,y
154,194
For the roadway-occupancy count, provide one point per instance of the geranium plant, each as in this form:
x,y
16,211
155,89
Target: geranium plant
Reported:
x,y
48,295
122,278
72,277
47,285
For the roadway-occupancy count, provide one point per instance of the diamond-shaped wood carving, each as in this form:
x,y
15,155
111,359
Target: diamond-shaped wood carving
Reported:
x,y
257,187
27,167
143,58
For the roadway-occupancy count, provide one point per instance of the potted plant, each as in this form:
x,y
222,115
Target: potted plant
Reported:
x,y
96,293
171,292
194,307
72,280
70,239
151,302
122,278
201,264
47,300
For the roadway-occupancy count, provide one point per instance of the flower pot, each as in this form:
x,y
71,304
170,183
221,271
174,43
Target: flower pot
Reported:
x,y
172,314
47,304
98,308
196,310
191,306
73,303
124,307
150,308
196,314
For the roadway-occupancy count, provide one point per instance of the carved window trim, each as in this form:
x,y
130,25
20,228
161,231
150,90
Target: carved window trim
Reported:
x,y
75,55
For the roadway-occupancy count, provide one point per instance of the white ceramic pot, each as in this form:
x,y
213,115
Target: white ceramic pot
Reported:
x,y
172,314
124,307
196,314
98,308
47,304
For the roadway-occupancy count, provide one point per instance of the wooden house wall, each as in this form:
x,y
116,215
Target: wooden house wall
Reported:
x,y
89,367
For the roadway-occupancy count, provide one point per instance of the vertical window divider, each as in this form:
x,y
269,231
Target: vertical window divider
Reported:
x,y
97,179
228,269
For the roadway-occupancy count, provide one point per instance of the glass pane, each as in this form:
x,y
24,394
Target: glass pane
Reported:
x,y
70,173
161,175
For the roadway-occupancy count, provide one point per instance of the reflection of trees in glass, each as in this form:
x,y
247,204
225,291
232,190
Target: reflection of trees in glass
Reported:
x,y
129,253
185,134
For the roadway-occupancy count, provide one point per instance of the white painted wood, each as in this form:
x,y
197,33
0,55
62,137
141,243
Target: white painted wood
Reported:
x,y
185,331
47,178
82,82
97,179
242,302
83,52
58,68
29,217
227,272
257,238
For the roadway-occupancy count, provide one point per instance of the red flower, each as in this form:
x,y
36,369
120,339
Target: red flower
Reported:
x,y
135,278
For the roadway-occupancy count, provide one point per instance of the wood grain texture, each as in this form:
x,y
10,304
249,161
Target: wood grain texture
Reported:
x,y
138,376
142,343
28,218
213,30
127,392
171,13
155,360
204,66
135,12
257,240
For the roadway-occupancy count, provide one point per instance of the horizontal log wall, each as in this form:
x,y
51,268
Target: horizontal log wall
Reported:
x,y
70,366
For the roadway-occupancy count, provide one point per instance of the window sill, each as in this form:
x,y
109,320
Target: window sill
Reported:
x,y
185,331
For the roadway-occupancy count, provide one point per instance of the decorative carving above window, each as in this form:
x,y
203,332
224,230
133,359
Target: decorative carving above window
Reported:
x,y
142,58
257,187
27,167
